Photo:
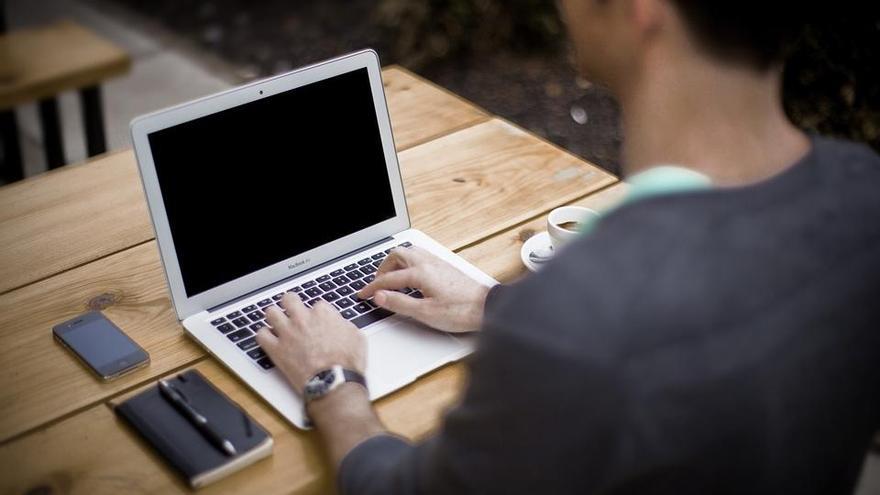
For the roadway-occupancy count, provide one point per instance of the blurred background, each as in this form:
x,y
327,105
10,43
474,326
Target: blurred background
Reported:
x,y
509,57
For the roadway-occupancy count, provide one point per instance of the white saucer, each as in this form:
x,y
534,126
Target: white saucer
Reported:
x,y
537,241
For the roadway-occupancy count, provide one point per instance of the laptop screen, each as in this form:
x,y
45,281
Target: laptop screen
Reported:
x,y
256,184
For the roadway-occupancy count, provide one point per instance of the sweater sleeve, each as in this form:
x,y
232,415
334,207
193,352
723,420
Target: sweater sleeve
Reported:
x,y
513,427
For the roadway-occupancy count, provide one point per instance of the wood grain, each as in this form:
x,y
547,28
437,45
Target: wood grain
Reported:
x,y
515,174
40,62
488,177
62,219
111,458
69,217
421,111
500,254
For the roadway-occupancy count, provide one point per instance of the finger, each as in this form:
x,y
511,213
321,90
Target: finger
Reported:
x,y
398,258
393,280
276,319
267,340
296,309
400,303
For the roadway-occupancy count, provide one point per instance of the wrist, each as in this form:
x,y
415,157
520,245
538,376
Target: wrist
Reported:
x,y
348,403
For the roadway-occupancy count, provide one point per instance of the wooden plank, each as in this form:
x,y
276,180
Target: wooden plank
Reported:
x,y
421,111
46,383
80,213
70,217
111,458
489,177
40,62
500,254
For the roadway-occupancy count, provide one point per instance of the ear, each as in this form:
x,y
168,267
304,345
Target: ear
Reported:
x,y
648,16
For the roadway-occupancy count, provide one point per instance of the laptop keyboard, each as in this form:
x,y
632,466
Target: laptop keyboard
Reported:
x,y
339,288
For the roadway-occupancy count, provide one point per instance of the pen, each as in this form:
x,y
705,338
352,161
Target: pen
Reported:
x,y
198,420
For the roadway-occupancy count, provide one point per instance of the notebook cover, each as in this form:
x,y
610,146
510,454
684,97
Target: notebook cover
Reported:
x,y
181,444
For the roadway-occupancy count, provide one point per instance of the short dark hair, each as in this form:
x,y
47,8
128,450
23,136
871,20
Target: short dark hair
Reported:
x,y
757,33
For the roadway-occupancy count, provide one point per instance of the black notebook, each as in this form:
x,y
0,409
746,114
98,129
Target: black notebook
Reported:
x,y
181,444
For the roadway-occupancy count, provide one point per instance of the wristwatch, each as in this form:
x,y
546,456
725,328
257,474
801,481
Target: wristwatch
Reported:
x,y
330,379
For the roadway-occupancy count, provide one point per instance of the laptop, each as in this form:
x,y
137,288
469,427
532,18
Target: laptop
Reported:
x,y
287,185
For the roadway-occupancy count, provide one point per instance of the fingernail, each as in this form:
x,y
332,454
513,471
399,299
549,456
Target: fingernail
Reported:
x,y
379,297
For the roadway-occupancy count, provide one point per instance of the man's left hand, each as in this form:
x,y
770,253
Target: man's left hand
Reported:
x,y
306,341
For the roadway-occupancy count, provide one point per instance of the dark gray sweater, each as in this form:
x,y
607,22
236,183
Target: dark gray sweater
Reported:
x,y
723,341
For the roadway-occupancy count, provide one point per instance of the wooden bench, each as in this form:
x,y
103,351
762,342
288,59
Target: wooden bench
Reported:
x,y
36,64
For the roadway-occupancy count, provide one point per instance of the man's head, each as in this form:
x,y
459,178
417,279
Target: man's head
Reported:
x,y
612,38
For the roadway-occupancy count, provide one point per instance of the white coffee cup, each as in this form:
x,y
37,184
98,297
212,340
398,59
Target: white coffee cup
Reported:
x,y
560,236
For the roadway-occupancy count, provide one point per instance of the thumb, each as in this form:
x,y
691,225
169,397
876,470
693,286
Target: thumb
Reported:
x,y
400,303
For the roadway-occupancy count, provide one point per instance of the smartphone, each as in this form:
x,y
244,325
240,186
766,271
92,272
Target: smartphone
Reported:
x,y
101,345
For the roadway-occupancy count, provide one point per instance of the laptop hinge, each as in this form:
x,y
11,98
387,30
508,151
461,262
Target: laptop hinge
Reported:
x,y
300,274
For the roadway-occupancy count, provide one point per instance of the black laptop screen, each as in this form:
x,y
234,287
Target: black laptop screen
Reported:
x,y
256,184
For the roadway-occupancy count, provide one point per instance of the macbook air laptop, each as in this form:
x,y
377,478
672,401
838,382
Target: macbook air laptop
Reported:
x,y
287,185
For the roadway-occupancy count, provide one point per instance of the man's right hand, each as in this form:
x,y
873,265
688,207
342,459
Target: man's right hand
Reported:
x,y
452,301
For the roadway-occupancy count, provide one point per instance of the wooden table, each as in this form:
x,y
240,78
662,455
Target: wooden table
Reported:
x,y
80,238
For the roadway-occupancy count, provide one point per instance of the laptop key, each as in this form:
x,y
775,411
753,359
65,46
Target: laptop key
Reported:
x,y
357,285
327,286
303,297
218,321
310,283
388,251
248,309
416,294
314,292
406,244
369,278
371,317
368,269
233,315
226,328
344,290
264,302
239,335
258,325
322,278
362,307
378,256
344,303
241,322
277,297
341,280
336,273
296,289
313,302
247,344
350,267
348,314
330,296
256,353
354,274
365,261
377,264
256,316
266,363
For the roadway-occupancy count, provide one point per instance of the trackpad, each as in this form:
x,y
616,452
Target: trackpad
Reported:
x,y
401,351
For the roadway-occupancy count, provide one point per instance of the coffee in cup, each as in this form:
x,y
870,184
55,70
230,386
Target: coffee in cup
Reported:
x,y
566,222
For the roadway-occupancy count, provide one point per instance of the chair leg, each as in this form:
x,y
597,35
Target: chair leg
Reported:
x,y
93,120
51,126
11,167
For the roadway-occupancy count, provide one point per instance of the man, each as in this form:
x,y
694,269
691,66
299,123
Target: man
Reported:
x,y
715,341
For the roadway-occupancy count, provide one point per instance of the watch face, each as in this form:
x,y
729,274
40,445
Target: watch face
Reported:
x,y
320,383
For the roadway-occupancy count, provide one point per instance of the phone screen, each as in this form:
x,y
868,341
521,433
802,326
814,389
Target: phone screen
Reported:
x,y
100,344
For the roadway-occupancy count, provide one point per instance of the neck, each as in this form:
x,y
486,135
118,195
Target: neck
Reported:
x,y
722,121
